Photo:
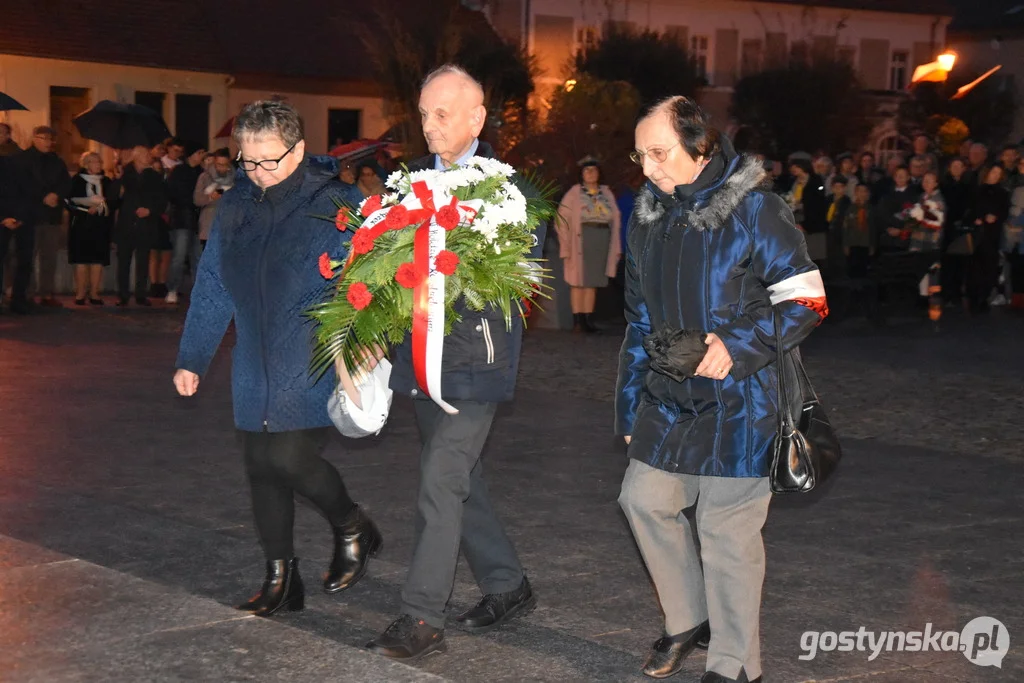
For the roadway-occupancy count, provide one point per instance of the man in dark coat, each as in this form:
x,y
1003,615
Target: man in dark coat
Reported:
x,y
481,358
15,227
144,199
48,185
181,186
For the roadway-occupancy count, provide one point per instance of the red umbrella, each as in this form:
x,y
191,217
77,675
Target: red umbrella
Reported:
x,y
358,148
225,130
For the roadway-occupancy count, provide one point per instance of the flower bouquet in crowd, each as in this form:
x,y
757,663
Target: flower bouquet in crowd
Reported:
x,y
439,243
922,225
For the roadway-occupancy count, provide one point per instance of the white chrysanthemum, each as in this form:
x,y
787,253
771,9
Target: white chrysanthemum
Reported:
x,y
491,167
395,179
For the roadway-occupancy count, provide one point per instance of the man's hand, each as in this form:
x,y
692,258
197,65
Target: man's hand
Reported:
x,y
142,212
990,218
893,232
187,383
10,223
717,362
93,210
51,200
628,439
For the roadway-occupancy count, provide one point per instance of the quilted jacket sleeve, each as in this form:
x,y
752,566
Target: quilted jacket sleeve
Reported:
x,y
781,263
211,308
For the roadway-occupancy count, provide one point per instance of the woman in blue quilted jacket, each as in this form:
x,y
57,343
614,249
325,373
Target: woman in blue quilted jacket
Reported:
x,y
714,262
260,269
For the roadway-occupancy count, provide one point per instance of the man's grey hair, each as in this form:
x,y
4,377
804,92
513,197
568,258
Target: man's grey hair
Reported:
x,y
266,118
455,70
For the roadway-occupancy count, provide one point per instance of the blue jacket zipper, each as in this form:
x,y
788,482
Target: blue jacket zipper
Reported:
x,y
263,315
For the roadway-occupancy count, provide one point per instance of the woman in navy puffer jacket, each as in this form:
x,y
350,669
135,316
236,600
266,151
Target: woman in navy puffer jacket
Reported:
x,y
260,268
715,255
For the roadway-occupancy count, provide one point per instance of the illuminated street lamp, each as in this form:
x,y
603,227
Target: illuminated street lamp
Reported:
x,y
937,71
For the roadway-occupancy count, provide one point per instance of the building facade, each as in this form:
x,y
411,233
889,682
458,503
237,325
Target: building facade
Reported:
x,y
882,39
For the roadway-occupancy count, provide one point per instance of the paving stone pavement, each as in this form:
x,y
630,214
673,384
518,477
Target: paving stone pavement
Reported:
x,y
125,529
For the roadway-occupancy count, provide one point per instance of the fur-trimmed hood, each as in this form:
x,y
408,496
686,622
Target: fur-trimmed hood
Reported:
x,y
709,208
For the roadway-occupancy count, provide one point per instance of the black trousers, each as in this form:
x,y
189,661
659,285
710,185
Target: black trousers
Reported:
x,y
454,512
135,243
24,239
281,464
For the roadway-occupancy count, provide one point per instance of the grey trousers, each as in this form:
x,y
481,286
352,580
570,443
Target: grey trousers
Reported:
x,y
454,510
48,243
726,591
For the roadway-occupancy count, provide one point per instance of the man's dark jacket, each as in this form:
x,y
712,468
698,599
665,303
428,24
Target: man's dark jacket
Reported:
x,y
181,185
141,190
43,174
481,355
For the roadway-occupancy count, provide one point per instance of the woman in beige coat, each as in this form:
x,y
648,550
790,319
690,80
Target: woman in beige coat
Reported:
x,y
588,232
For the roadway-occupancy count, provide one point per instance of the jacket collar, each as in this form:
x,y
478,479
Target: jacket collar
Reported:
x,y
312,174
484,149
711,206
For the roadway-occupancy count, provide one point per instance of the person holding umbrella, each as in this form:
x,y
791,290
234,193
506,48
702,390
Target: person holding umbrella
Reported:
x,y
143,199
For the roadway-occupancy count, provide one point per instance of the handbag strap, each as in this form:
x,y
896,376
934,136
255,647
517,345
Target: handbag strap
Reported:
x,y
784,419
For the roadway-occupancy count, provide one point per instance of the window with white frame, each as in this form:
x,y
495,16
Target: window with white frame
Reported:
x,y
699,52
898,70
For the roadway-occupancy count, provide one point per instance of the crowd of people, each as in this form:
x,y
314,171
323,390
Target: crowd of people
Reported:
x,y
957,217
152,207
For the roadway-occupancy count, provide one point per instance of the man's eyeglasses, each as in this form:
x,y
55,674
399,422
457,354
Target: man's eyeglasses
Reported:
x,y
265,164
657,154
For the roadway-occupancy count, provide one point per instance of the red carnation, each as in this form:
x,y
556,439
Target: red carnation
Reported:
x,y
448,217
406,275
325,266
397,217
370,205
362,241
446,262
359,295
341,219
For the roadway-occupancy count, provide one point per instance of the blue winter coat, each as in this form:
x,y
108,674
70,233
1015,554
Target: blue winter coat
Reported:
x,y
260,267
716,262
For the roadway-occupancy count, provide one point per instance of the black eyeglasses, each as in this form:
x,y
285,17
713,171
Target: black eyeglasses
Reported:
x,y
265,164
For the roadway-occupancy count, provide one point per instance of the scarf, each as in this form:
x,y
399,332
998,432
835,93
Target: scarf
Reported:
x,y
94,188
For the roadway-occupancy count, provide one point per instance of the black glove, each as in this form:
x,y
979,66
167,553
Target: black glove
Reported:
x,y
676,353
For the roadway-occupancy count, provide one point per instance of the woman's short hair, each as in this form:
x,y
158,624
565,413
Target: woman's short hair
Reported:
x,y
801,163
265,118
691,123
83,161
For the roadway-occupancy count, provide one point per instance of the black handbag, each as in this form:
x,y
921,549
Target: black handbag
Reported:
x,y
805,451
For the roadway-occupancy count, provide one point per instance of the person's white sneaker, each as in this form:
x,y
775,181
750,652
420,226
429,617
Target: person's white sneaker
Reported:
x,y
998,300
171,298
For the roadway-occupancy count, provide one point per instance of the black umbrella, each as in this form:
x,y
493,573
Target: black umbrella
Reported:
x,y
8,103
121,125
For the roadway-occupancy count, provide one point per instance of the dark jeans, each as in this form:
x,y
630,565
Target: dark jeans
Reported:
x,y
24,255
137,244
454,510
281,464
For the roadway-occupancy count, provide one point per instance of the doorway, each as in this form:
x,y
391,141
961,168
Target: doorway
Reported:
x,y
65,104
192,118
342,126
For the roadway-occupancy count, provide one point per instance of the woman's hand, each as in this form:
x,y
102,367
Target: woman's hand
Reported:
x,y
187,383
628,439
717,362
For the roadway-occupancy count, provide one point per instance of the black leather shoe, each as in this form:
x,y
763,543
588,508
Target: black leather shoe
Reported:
x,y
282,590
715,677
409,639
588,325
143,301
354,542
669,652
497,608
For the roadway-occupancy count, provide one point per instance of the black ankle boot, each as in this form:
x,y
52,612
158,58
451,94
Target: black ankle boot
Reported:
x,y
354,542
588,326
282,589
578,322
